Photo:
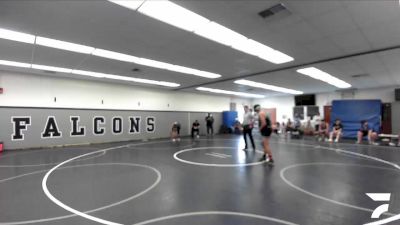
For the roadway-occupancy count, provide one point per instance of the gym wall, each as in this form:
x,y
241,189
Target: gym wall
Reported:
x,y
45,127
395,117
31,90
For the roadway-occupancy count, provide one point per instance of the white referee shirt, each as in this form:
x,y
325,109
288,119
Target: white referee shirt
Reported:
x,y
248,118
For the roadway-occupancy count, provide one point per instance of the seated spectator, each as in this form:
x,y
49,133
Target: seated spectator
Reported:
x,y
175,132
237,127
297,122
276,128
365,130
308,130
337,129
196,129
317,120
323,130
289,126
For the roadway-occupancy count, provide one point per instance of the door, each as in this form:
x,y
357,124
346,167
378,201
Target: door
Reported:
x,y
327,113
386,118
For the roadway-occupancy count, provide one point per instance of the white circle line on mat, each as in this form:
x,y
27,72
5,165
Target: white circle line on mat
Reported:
x,y
212,164
282,175
378,222
77,212
156,182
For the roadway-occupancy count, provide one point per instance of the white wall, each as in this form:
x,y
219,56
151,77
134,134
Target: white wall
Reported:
x,y
39,91
284,104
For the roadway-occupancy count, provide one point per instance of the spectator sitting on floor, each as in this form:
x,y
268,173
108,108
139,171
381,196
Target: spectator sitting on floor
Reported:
x,y
276,128
289,126
323,130
366,130
337,129
237,127
308,130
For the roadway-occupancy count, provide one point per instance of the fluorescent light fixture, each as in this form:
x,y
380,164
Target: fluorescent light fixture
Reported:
x,y
220,34
52,43
140,80
175,68
130,4
323,76
219,91
51,68
200,73
16,64
255,48
268,87
185,19
173,14
114,55
154,63
88,73
105,54
17,36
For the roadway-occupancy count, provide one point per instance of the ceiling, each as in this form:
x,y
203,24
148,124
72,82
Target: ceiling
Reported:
x,y
343,38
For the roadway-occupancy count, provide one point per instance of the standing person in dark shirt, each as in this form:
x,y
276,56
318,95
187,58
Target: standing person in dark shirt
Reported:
x,y
265,127
366,130
209,123
196,129
337,129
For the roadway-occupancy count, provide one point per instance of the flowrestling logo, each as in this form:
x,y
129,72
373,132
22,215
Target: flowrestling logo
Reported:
x,y
381,209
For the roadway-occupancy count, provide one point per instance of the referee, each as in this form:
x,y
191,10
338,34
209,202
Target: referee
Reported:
x,y
248,121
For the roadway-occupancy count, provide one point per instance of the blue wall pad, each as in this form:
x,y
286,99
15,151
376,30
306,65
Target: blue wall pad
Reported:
x,y
351,112
229,117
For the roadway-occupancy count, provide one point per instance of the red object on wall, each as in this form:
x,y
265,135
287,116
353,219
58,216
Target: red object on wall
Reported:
x,y
327,113
1,146
271,112
1,90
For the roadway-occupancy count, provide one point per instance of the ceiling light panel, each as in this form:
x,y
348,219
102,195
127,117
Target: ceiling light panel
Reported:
x,y
53,43
130,4
255,48
268,87
88,73
180,17
219,91
17,36
15,64
323,76
220,34
51,68
115,55
173,14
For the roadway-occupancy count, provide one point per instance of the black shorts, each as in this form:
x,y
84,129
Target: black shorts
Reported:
x,y
266,132
364,132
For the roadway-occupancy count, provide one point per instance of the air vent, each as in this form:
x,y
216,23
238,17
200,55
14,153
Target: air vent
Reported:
x,y
360,75
276,9
135,70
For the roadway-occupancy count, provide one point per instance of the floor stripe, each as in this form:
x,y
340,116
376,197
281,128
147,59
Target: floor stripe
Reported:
x,y
215,155
225,155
